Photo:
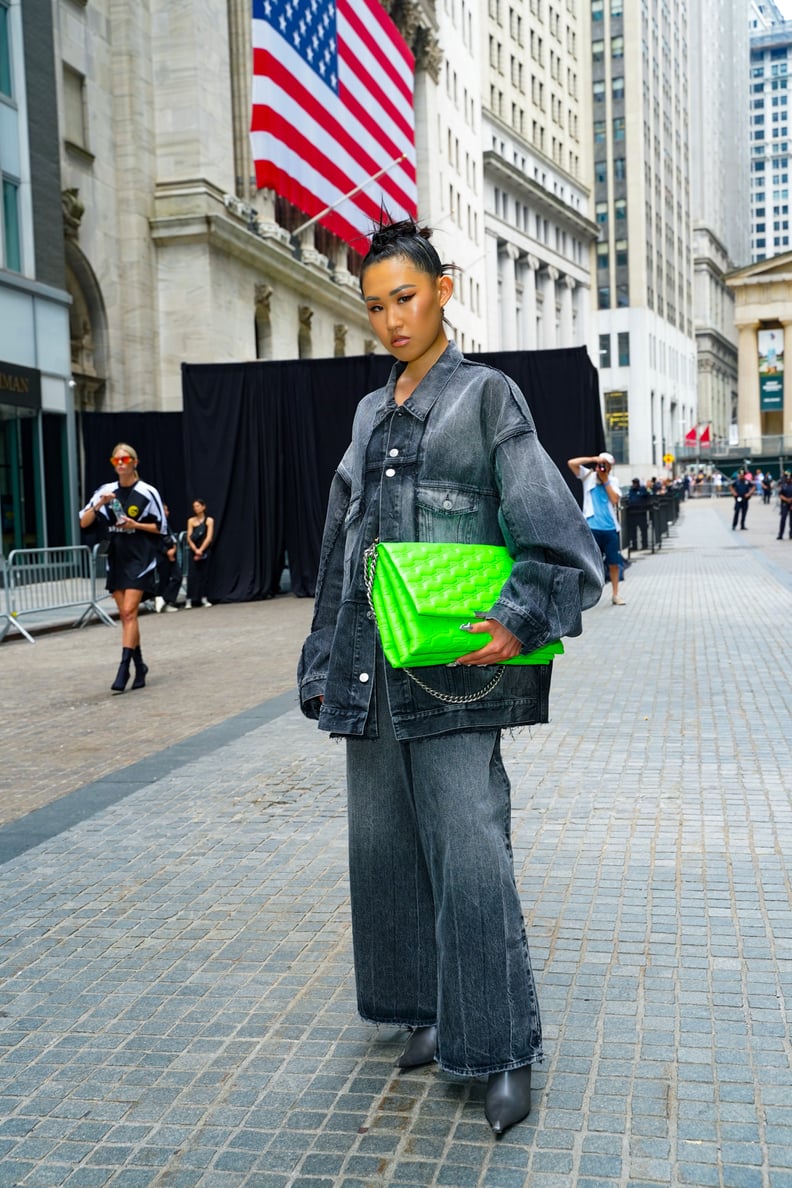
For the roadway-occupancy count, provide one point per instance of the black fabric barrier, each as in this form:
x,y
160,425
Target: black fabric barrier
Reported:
x,y
262,441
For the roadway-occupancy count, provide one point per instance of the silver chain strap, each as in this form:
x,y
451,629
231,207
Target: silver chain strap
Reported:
x,y
369,570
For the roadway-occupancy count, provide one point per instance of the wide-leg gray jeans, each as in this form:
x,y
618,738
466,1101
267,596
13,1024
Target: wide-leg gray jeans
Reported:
x,y
438,929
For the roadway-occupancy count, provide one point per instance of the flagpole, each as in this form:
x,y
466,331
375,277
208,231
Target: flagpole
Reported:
x,y
351,194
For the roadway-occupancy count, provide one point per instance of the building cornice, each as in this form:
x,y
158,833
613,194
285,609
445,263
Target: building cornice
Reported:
x,y
540,199
735,281
195,212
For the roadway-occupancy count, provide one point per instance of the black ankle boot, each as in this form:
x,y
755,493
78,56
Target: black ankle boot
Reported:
x,y
508,1098
122,676
140,669
421,1048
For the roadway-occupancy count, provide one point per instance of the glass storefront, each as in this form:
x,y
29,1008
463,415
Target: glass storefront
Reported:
x,y
34,501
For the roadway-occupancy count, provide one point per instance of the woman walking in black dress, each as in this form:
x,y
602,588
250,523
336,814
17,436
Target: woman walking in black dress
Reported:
x,y
132,513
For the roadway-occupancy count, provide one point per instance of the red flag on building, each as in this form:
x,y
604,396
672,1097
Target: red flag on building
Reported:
x,y
691,437
705,439
333,107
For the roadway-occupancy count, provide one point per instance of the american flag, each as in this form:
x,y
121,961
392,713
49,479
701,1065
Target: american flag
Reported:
x,y
332,107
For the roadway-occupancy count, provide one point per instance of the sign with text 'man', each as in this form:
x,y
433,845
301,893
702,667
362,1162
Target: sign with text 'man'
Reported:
x,y
20,386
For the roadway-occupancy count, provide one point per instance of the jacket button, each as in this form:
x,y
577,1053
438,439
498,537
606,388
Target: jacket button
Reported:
x,y
394,453
363,678
389,473
448,505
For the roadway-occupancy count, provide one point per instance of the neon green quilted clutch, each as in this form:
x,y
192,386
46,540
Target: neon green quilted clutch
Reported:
x,y
422,593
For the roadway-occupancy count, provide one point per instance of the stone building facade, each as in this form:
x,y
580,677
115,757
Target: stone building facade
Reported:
x,y
173,255
763,307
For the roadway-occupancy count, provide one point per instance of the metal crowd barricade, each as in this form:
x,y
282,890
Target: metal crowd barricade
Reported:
x,y
40,581
651,522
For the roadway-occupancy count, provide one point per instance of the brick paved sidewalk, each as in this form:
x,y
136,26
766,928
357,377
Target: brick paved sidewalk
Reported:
x,y
177,1004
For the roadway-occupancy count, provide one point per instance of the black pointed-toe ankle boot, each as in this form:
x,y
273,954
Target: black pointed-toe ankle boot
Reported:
x,y
140,669
421,1048
508,1098
122,676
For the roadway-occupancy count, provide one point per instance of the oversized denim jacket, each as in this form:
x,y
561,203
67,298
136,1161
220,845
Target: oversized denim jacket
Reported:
x,y
458,461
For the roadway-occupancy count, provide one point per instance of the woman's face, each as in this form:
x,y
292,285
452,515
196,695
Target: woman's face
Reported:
x,y
198,507
123,461
405,307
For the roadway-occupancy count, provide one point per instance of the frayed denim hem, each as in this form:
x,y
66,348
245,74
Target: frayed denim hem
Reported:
x,y
509,1066
404,1024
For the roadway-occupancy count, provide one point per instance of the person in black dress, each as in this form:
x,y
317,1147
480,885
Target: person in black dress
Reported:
x,y
132,514
200,534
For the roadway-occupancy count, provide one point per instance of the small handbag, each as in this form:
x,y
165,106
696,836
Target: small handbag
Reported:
x,y
422,593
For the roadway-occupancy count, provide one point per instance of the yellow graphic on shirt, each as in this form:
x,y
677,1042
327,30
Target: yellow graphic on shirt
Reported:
x,y
133,511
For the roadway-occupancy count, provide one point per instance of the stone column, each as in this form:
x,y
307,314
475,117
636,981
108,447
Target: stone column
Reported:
x,y
584,335
567,333
529,302
787,324
508,298
492,296
748,410
549,278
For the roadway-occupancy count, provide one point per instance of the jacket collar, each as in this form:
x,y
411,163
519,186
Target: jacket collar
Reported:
x,y
422,400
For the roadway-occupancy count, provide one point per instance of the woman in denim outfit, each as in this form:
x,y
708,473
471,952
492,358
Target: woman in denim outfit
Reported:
x,y
445,451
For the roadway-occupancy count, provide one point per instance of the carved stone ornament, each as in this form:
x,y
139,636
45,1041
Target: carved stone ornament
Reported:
x,y
305,314
428,54
339,339
407,17
263,296
73,211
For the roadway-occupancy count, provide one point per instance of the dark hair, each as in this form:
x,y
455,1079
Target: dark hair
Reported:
x,y
403,238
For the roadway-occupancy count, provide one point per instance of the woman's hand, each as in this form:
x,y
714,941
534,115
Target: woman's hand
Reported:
x,y
503,645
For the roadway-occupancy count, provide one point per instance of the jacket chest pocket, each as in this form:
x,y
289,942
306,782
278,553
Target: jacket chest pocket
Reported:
x,y
447,514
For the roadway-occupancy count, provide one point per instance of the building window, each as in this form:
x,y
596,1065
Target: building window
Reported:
x,y
74,125
624,348
620,168
599,91
602,255
598,51
618,88
618,128
621,253
604,350
617,47
601,212
622,296
10,249
603,297
601,171
5,52
620,208
599,131
617,8
597,9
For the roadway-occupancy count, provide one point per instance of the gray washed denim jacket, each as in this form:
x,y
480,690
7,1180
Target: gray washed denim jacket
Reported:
x,y
459,461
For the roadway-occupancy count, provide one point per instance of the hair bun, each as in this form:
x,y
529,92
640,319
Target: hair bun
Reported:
x,y
389,233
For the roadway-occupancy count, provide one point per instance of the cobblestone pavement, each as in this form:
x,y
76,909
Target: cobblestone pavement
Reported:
x,y
177,1005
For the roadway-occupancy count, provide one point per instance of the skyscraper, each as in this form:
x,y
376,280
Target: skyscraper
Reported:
x,y
719,50
643,207
771,66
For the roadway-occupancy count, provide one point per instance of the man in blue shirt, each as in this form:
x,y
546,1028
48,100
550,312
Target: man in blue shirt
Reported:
x,y
601,497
